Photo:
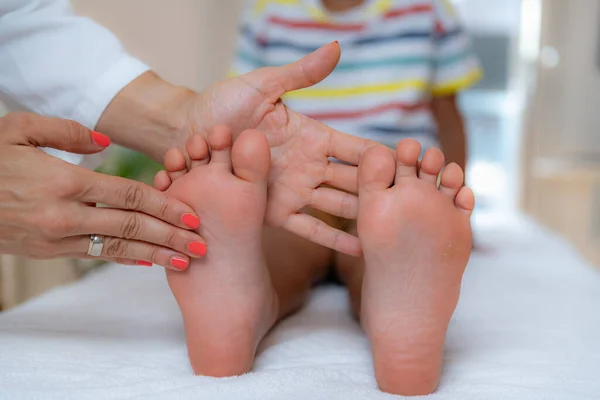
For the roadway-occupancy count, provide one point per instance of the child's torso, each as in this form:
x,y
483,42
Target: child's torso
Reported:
x,y
380,88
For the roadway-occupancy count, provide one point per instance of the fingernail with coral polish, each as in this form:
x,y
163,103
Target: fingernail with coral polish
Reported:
x,y
179,263
144,263
100,139
197,248
190,221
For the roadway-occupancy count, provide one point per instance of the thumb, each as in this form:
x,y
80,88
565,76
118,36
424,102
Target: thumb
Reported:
x,y
61,134
307,71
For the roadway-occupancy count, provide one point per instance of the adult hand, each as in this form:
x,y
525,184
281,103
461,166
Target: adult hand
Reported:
x,y
48,206
165,116
300,147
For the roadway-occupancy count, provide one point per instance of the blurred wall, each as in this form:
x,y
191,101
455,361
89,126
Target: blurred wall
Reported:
x,y
188,42
568,97
562,152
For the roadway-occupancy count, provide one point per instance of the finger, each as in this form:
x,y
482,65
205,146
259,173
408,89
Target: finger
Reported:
x,y
120,261
347,148
342,176
132,263
305,72
117,248
62,134
128,262
131,195
335,202
140,227
319,232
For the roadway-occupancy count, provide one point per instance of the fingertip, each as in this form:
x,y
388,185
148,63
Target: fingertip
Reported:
x,y
190,220
124,261
309,70
178,213
179,263
143,263
100,139
350,246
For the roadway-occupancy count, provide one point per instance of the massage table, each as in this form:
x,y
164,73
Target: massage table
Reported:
x,y
527,327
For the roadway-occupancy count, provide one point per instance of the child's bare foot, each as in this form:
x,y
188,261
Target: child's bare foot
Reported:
x,y
416,241
226,297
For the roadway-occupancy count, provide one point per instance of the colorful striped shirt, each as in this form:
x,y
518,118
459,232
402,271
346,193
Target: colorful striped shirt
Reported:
x,y
396,55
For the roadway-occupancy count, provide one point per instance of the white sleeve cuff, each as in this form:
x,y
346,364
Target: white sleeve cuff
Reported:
x,y
105,88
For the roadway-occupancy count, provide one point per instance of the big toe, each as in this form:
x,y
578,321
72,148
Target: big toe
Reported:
x,y
175,164
431,165
220,140
407,157
376,169
251,157
197,149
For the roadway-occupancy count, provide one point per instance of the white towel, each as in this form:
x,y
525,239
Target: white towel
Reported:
x,y
527,327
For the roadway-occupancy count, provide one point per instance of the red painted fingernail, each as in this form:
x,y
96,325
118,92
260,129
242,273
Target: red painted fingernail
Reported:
x,y
198,248
179,263
144,263
336,42
191,221
100,139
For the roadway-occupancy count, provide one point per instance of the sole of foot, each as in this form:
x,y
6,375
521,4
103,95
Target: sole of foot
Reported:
x,y
226,297
416,239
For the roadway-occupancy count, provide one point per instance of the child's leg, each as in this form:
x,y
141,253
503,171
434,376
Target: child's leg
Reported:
x,y
230,298
295,265
416,240
350,271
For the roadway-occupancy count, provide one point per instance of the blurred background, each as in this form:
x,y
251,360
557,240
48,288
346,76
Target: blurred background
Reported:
x,y
533,121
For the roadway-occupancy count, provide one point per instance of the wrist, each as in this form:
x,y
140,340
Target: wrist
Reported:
x,y
148,115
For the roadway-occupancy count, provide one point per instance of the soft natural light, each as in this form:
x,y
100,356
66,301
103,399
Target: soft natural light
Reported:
x,y
531,14
488,181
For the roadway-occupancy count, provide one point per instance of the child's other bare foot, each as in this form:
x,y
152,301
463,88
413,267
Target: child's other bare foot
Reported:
x,y
416,240
226,297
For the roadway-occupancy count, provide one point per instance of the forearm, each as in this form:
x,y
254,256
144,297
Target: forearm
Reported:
x,y
451,130
454,145
149,115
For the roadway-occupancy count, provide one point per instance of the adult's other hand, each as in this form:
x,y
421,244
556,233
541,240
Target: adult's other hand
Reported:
x,y
48,206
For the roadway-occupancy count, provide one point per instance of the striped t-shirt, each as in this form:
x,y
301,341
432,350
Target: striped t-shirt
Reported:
x,y
396,55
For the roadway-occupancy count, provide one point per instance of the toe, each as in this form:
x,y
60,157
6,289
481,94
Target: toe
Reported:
x,y
162,181
465,200
175,164
407,156
451,180
251,157
197,149
431,165
220,140
376,169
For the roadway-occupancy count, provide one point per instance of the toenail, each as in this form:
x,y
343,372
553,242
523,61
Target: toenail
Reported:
x,y
191,221
179,263
197,248
144,263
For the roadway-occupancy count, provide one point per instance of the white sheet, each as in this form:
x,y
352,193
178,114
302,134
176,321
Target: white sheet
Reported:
x,y
527,327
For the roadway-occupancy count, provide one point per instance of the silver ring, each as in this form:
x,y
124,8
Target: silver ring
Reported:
x,y
96,245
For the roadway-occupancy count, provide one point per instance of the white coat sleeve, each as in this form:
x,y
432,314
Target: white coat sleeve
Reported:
x,y
55,63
